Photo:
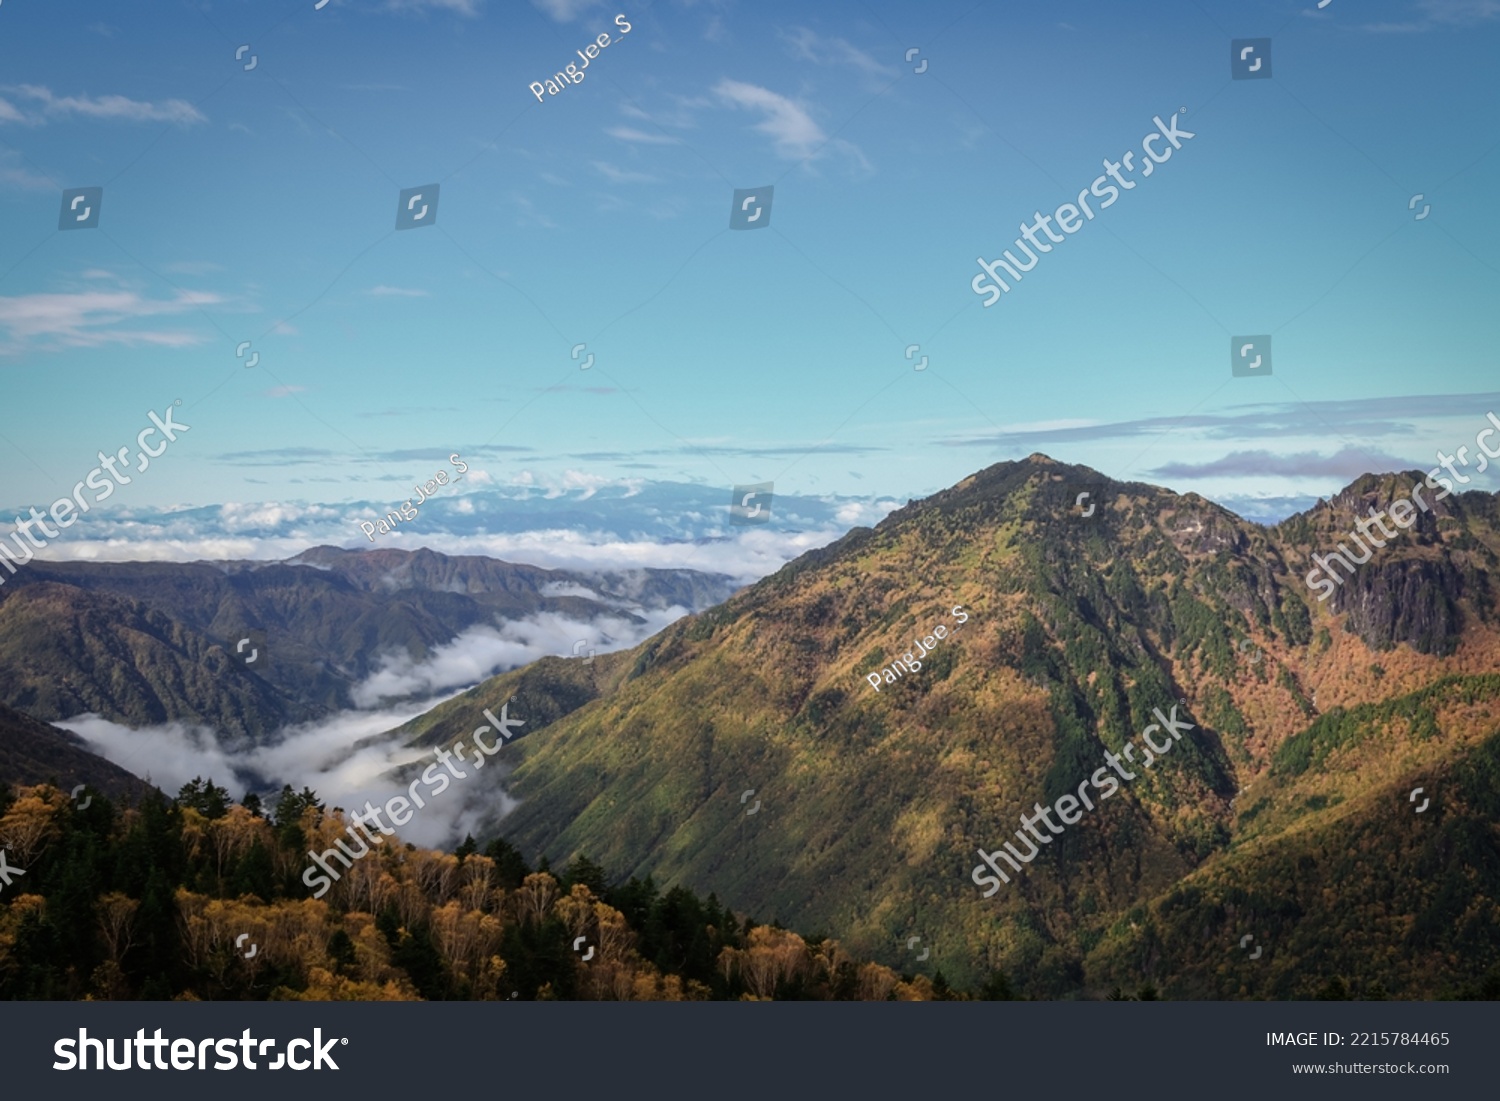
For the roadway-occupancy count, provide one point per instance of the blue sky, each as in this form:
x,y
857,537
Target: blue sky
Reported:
x,y
259,206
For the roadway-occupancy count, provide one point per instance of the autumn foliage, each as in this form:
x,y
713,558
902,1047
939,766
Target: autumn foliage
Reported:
x,y
199,898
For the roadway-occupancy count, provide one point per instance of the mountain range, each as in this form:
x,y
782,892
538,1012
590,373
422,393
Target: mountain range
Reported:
x,y
145,643
810,749
745,750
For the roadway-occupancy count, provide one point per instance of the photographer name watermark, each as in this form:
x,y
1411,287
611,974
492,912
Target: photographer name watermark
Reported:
x,y
912,662
407,511
572,74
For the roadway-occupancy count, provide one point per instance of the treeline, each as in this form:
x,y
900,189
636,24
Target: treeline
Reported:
x,y
200,898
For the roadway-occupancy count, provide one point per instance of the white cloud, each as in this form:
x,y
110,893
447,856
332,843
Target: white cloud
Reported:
x,y
194,267
481,652
564,11
236,516
15,174
1464,13
590,484
678,116
807,45
620,175
342,758
791,129
630,133
94,318
865,513
383,291
113,107
1449,13
459,7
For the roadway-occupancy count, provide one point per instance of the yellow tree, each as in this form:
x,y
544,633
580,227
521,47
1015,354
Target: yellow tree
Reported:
x,y
117,923
534,898
30,825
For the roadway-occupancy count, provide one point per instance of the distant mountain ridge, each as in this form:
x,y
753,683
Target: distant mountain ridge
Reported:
x,y
151,642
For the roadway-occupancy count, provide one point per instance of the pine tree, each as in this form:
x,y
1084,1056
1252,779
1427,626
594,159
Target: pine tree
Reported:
x,y
204,797
585,871
1334,990
510,868
996,988
341,951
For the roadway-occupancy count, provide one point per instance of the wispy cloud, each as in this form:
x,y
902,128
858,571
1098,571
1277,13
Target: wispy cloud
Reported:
x,y
808,45
482,651
347,757
792,131
95,318
679,115
39,105
1441,13
407,411
1463,13
193,267
1345,464
790,128
620,175
630,133
564,11
14,173
459,7
1370,418
383,291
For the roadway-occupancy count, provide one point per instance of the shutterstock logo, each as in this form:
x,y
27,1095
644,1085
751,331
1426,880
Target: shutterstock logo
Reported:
x,y
1102,781
158,1052
80,208
1157,147
752,208
7,870
751,504
1250,59
1249,356
417,207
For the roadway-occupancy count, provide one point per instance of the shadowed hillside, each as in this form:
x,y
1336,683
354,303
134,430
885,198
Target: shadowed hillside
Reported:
x,y
145,643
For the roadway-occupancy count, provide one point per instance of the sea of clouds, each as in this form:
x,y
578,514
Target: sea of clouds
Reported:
x,y
348,758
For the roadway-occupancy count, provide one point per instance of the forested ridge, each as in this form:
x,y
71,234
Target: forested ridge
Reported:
x,y
199,897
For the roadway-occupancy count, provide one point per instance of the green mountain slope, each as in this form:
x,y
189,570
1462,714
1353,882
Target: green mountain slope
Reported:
x,y
872,805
